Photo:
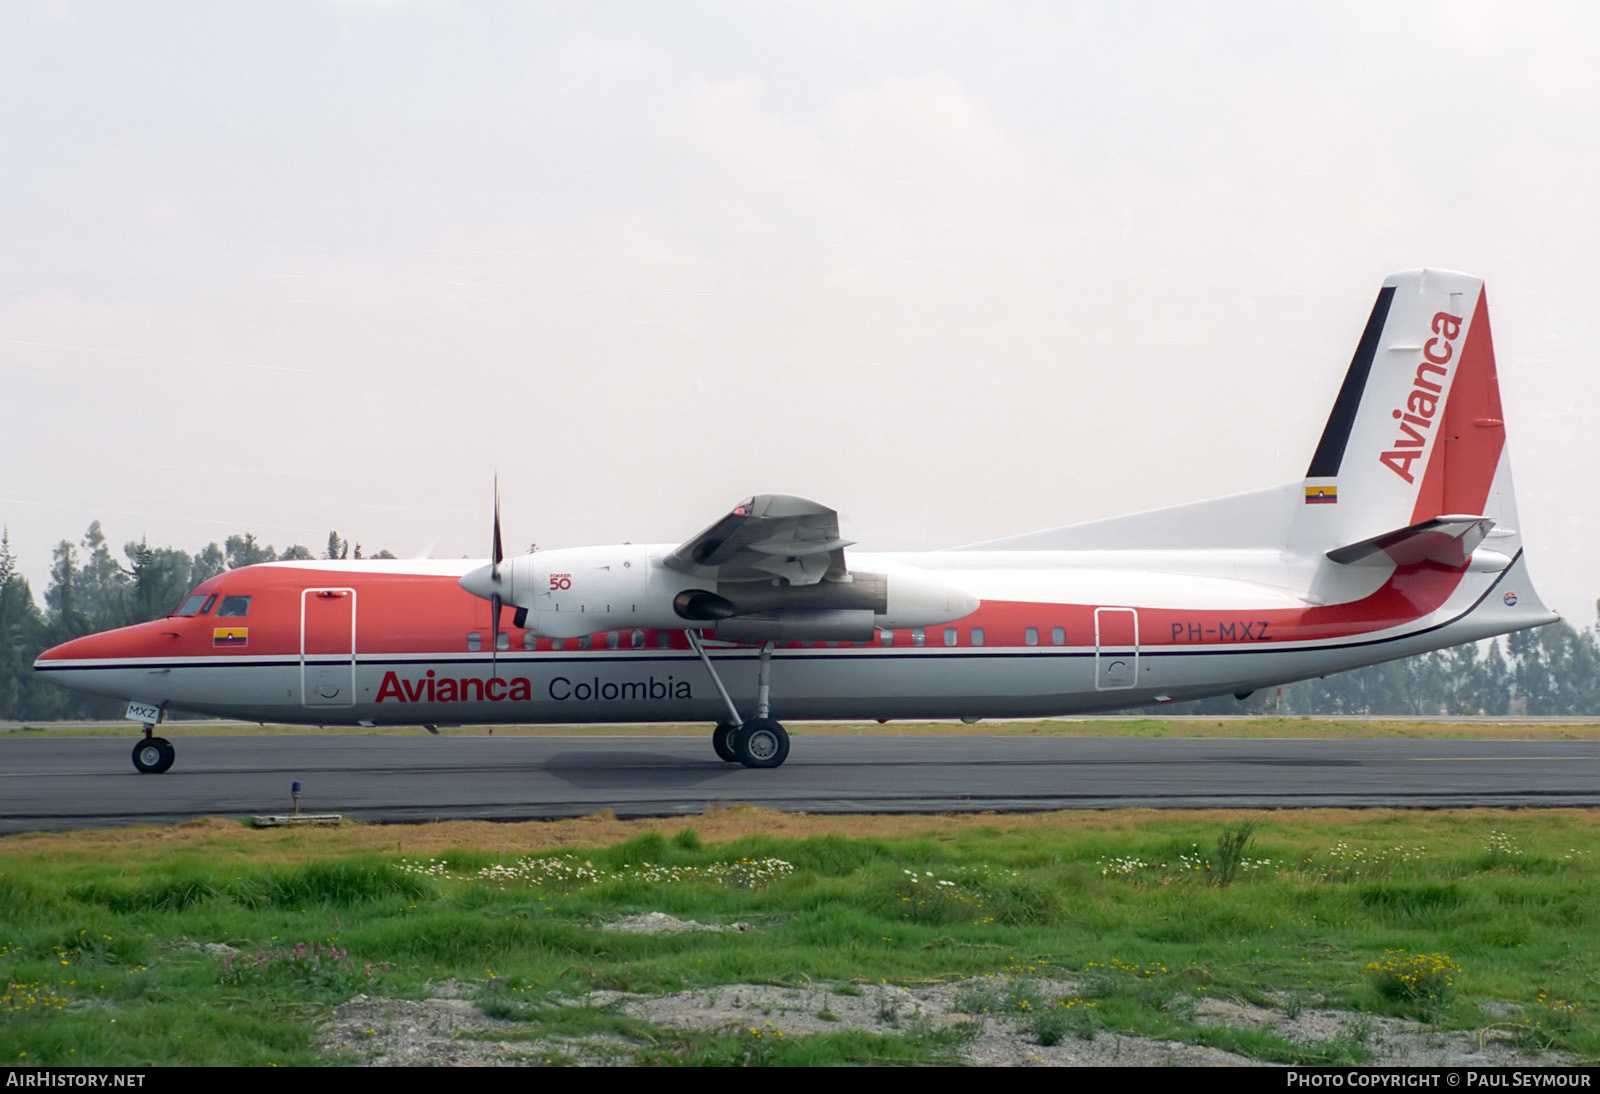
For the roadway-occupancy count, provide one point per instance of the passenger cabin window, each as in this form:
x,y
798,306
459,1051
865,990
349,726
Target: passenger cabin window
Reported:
x,y
234,605
917,637
474,641
663,640
584,642
530,641
637,640
977,636
1058,635
949,636
613,640
885,638
502,641
1031,636
557,643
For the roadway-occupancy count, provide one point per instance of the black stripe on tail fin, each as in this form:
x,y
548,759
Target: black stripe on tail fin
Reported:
x,y
1336,434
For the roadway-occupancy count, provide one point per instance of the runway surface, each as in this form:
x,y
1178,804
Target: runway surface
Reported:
x,y
77,782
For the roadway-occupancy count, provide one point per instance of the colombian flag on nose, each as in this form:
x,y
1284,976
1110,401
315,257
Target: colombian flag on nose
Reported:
x,y
230,636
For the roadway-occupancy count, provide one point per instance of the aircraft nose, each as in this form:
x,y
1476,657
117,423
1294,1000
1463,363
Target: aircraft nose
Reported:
x,y
92,647
64,652
154,639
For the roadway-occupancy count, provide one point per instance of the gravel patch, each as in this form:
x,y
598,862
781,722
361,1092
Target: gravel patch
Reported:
x,y
662,923
448,1028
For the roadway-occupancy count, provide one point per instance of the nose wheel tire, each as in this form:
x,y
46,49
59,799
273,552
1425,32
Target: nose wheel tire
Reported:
x,y
762,742
722,740
153,755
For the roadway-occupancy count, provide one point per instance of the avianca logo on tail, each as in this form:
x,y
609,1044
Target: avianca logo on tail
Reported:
x,y
1422,402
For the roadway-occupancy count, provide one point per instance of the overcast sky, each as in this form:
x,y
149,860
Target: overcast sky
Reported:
x,y
957,270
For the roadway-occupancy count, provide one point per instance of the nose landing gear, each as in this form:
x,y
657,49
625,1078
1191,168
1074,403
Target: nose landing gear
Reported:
x,y
153,755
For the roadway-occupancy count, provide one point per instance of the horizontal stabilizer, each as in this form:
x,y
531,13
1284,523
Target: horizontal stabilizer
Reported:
x,y
1449,541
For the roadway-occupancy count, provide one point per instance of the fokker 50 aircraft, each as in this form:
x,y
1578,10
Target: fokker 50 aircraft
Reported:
x,y
1402,538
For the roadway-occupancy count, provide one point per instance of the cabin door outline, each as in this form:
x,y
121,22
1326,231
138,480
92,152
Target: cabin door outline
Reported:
x,y
1116,648
328,647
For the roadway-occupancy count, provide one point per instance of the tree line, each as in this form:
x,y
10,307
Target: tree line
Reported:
x,y
1553,670
91,590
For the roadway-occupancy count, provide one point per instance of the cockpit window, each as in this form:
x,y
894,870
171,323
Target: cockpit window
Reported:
x,y
234,605
192,605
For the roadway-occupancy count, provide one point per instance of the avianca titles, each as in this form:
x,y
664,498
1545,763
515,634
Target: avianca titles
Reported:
x,y
1402,538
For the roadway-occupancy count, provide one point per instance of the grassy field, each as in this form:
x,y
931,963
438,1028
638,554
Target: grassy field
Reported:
x,y
211,943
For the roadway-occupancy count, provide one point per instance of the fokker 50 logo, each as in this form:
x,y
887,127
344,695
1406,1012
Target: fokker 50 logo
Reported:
x,y
1422,401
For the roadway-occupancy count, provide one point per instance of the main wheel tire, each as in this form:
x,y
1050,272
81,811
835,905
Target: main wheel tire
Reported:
x,y
762,742
153,755
722,740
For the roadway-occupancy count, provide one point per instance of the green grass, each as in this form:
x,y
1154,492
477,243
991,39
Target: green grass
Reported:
x,y
232,947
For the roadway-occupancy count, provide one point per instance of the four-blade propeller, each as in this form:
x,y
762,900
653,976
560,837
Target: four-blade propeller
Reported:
x,y
497,555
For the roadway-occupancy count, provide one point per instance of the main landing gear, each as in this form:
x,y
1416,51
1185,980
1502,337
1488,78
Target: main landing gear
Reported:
x,y
153,754
759,742
722,741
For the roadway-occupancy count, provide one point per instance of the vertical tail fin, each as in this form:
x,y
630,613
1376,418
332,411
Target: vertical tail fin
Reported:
x,y
1416,432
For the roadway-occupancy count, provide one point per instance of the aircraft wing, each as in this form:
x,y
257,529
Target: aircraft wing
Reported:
x,y
765,537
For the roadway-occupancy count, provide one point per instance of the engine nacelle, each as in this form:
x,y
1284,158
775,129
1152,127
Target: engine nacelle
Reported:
x,y
918,599
829,611
576,591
